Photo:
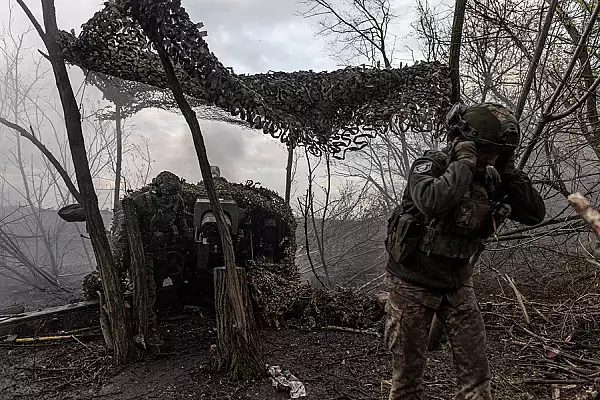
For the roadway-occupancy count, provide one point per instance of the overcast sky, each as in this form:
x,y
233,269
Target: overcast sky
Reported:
x,y
249,35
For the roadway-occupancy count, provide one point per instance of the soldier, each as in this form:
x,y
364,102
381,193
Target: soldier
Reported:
x,y
161,219
454,199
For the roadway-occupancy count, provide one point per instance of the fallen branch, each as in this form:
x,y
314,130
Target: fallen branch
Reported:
x,y
557,381
352,330
519,298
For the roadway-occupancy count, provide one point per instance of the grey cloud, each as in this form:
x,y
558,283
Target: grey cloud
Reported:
x,y
241,154
260,35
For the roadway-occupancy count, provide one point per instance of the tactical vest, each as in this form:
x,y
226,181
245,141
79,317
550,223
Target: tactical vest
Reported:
x,y
460,233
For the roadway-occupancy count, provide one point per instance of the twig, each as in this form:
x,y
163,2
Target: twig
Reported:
x,y
97,396
28,346
562,353
81,343
556,381
530,333
538,312
371,281
46,369
519,298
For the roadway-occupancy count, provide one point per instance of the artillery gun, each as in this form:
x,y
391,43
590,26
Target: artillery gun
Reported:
x,y
262,227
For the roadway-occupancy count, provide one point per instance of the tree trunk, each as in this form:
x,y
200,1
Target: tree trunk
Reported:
x,y
124,347
227,330
119,161
138,273
455,43
239,349
541,42
288,173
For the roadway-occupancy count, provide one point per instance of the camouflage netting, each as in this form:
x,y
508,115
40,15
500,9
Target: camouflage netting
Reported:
x,y
133,97
325,111
274,287
249,195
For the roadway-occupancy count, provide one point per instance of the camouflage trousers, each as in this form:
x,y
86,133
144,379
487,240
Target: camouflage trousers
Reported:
x,y
410,309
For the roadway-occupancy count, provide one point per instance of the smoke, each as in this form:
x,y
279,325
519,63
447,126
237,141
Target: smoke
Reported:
x,y
241,154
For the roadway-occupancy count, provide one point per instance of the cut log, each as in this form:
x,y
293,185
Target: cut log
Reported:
x,y
28,320
236,352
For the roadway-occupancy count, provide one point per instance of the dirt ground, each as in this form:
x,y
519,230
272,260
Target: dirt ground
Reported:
x,y
559,351
331,364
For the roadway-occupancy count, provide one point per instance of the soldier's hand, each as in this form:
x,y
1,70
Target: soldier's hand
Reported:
x,y
466,151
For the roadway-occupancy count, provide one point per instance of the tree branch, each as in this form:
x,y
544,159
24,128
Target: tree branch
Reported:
x,y
59,168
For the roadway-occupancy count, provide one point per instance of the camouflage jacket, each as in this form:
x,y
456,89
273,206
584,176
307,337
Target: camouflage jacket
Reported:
x,y
435,188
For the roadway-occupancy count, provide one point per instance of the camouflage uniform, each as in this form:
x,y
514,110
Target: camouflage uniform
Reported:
x,y
455,206
161,219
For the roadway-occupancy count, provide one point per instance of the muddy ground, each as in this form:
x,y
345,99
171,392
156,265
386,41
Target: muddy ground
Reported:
x,y
557,352
332,364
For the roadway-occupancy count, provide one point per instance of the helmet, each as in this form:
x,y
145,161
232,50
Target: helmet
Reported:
x,y
167,183
487,124
215,171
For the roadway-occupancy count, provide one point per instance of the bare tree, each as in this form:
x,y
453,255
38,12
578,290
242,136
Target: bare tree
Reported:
x,y
122,337
358,30
360,33
433,29
343,227
34,240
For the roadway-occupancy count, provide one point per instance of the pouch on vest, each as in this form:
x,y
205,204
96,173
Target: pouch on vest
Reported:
x,y
437,241
473,218
404,233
